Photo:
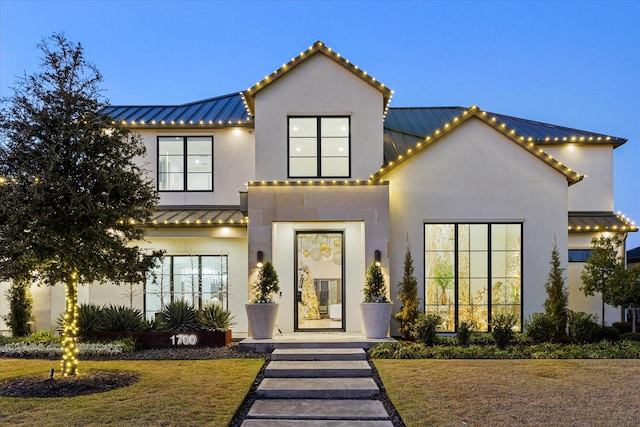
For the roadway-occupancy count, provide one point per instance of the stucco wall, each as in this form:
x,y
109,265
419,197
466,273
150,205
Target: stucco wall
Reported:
x,y
276,212
49,301
318,87
475,174
595,191
233,165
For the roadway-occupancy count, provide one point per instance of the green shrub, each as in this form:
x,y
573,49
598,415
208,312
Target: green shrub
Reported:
x,y
608,333
213,317
630,336
178,316
118,319
425,329
502,328
623,327
385,350
20,307
540,327
465,329
42,337
481,338
583,327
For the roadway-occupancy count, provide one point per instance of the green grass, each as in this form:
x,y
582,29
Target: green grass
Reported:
x,y
169,393
574,392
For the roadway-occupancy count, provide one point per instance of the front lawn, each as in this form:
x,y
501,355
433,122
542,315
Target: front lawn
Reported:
x,y
169,393
513,392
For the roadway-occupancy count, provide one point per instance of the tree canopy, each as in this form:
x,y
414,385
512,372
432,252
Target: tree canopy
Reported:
x,y
604,271
72,188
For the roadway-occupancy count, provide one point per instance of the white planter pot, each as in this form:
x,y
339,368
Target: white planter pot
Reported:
x,y
262,319
375,319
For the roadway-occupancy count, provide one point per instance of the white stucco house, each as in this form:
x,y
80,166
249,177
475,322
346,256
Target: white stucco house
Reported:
x,y
312,169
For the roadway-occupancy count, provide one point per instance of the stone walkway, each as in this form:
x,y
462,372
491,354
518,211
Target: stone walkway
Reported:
x,y
330,387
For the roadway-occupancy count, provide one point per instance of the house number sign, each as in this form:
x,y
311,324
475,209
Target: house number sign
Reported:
x,y
184,339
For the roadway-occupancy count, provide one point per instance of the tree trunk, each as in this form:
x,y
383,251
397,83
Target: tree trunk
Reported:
x,y
70,331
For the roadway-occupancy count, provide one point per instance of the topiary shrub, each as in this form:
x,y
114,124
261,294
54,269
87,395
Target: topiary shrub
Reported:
x,y
541,327
425,329
213,317
465,329
117,319
178,316
623,327
502,328
583,327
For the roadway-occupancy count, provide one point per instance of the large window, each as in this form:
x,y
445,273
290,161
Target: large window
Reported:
x,y
197,279
319,147
185,163
473,272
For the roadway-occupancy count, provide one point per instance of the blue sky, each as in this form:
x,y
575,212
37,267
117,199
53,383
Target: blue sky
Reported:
x,y
569,63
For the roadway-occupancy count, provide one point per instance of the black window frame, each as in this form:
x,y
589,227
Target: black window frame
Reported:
x,y
171,283
578,255
318,146
185,159
456,276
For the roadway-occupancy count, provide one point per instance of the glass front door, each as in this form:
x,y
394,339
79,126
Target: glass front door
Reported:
x,y
319,287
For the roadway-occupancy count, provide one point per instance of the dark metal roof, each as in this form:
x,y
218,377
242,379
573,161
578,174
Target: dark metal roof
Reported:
x,y
599,221
222,110
203,216
633,255
403,126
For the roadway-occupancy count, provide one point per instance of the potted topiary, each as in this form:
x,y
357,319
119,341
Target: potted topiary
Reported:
x,y
376,307
262,310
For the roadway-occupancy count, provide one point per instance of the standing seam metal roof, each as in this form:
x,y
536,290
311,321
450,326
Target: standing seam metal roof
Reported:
x,y
223,110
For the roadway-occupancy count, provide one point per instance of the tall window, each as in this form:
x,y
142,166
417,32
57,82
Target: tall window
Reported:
x,y
196,279
185,163
319,147
473,272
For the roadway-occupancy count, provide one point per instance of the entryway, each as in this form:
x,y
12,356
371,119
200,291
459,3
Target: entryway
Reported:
x,y
319,286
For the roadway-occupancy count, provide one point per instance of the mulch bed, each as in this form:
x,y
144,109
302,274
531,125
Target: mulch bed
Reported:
x,y
86,383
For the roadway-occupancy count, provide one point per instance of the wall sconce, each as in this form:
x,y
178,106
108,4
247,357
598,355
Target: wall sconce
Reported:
x,y
260,262
377,256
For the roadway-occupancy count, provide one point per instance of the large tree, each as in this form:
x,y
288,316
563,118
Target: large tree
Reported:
x,y
73,196
604,271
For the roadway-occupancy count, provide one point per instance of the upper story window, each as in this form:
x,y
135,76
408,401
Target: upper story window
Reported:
x,y
185,163
319,147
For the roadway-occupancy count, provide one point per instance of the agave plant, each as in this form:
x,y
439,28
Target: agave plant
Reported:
x,y
178,316
119,318
87,321
213,317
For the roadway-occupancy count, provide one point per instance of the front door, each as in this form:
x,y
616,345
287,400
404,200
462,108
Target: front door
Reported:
x,y
319,286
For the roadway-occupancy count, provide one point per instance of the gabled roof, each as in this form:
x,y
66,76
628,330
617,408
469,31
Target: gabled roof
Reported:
x,y
317,48
599,221
404,127
442,121
633,255
219,111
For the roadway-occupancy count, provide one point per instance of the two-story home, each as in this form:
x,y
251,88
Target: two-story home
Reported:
x,y
312,169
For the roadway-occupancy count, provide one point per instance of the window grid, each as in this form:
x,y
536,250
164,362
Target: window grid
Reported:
x,y
319,146
473,272
185,163
196,279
